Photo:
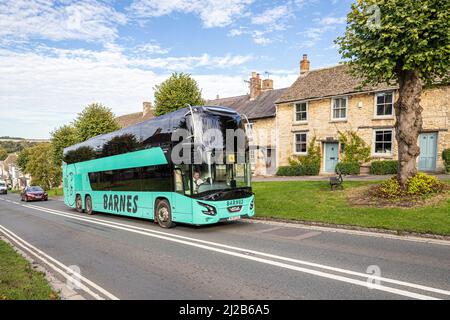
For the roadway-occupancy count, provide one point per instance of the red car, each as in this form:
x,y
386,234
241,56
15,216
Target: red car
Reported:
x,y
33,193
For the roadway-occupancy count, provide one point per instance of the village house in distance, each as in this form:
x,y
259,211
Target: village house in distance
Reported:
x,y
325,101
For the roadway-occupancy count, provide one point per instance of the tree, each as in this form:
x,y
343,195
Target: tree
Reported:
x,y
405,42
95,119
22,159
41,168
177,92
61,138
120,144
3,154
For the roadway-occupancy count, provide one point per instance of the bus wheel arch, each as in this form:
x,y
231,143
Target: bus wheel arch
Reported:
x,y
78,203
163,213
88,205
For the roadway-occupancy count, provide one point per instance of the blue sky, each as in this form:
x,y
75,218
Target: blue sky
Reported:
x,y
58,56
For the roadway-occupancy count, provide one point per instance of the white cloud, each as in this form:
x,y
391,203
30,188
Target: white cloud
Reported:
x,y
327,21
89,20
272,16
213,13
46,87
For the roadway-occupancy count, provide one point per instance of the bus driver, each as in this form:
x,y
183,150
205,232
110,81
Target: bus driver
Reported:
x,y
197,179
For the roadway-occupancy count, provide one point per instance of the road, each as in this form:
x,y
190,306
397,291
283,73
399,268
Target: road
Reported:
x,y
126,258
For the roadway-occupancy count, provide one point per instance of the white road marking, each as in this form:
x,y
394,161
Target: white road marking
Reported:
x,y
207,246
268,255
45,258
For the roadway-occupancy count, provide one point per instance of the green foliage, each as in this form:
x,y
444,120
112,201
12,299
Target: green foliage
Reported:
x,y
347,168
79,155
41,168
176,92
389,189
61,138
95,119
299,170
446,159
423,184
384,38
308,165
384,167
420,184
22,159
15,146
3,154
120,144
355,148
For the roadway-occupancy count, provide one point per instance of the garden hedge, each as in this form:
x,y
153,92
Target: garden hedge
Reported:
x,y
384,167
347,168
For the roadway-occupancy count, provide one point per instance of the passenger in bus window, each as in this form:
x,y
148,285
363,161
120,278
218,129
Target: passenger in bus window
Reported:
x,y
198,181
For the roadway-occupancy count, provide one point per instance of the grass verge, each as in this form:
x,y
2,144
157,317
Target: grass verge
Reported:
x,y
314,201
18,281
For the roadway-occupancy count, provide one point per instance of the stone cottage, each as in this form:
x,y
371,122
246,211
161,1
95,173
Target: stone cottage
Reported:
x,y
323,102
258,112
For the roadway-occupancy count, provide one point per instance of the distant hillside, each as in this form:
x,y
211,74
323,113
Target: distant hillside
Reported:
x,y
11,138
12,146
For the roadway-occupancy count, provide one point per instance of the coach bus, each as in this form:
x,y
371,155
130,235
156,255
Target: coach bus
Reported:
x,y
189,166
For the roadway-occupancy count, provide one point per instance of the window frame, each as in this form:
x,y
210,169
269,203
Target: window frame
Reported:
x,y
306,103
295,143
332,108
384,154
375,105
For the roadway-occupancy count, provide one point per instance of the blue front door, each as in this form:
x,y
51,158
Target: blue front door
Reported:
x,y
428,148
331,156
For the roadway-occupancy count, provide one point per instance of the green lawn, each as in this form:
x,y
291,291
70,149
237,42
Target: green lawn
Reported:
x,y
55,192
314,201
18,281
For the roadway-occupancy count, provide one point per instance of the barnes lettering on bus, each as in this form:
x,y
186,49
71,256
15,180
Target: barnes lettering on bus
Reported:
x,y
120,203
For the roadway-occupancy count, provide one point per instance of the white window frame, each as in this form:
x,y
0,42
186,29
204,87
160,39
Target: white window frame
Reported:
x,y
385,154
249,130
295,143
375,105
295,112
346,108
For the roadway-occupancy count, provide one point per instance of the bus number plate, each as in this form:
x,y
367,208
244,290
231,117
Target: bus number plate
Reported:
x,y
234,218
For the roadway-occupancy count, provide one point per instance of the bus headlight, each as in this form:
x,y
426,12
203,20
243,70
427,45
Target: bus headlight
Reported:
x,y
252,204
210,210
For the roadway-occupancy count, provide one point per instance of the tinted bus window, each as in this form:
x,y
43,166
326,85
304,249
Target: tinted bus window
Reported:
x,y
156,178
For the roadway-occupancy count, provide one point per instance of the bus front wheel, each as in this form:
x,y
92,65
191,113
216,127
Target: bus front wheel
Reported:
x,y
163,214
89,210
78,204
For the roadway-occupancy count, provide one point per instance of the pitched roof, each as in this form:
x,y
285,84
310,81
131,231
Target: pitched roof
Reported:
x,y
327,82
133,118
261,107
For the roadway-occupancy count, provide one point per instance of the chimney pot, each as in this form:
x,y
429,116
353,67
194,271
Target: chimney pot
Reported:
x,y
304,64
267,84
147,109
255,86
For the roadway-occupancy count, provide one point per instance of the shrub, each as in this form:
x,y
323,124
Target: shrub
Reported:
x,y
446,159
384,167
389,189
423,184
348,168
355,148
299,170
419,185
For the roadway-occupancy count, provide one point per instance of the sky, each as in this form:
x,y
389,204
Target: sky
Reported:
x,y
56,57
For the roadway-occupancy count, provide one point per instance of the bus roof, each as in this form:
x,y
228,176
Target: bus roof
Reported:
x,y
157,130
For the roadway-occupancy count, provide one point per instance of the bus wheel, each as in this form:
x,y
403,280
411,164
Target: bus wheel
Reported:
x,y
163,214
78,203
89,210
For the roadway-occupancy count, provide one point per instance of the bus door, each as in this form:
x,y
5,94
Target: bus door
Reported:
x,y
181,202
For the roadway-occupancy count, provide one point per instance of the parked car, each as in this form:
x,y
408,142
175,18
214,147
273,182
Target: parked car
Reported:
x,y
3,187
33,193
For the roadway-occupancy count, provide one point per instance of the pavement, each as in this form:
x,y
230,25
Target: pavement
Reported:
x,y
112,257
327,178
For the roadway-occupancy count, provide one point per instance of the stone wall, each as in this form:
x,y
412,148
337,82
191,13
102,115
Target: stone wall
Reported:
x,y
264,137
360,118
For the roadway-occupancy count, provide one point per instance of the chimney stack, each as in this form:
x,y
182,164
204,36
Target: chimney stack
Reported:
x,y
267,84
255,86
304,64
147,109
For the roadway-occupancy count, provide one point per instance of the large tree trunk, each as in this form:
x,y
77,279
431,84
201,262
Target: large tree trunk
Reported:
x,y
408,113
